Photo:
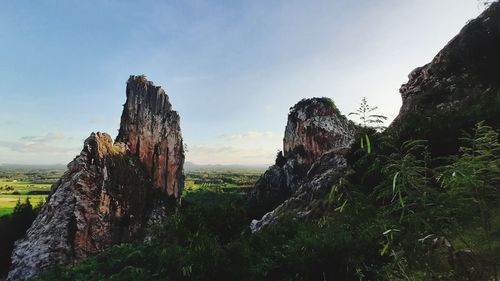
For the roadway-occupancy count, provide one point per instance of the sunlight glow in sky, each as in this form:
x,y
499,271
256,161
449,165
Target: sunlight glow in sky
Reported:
x,y
231,68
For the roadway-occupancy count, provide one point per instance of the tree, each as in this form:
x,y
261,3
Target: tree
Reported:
x,y
12,228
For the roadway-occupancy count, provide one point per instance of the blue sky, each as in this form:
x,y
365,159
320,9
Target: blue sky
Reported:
x,y
231,68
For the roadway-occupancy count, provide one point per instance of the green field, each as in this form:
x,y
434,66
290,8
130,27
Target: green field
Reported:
x,y
8,201
12,191
21,183
22,186
221,180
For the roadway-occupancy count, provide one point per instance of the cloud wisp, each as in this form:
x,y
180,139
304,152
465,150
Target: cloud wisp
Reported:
x,y
51,136
247,136
254,147
38,144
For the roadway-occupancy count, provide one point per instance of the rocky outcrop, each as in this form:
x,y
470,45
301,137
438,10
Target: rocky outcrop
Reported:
x,y
457,89
325,173
151,129
108,193
316,133
90,208
314,127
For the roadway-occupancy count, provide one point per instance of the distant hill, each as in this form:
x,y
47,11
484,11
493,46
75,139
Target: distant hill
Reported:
x,y
188,167
33,167
193,167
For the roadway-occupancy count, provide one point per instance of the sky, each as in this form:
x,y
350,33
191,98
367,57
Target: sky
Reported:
x,y
232,69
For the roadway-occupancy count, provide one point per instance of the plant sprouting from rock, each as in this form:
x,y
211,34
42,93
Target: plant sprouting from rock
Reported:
x,y
367,118
142,78
485,3
369,122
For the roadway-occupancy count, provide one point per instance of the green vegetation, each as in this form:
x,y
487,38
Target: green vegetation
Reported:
x,y
369,122
21,183
142,78
367,118
221,181
399,215
9,202
13,227
305,104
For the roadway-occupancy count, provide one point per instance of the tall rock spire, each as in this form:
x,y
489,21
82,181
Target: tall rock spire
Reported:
x,y
108,194
152,131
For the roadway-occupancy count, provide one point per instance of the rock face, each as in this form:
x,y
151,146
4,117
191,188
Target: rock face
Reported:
x,y
314,127
316,133
152,131
108,193
459,88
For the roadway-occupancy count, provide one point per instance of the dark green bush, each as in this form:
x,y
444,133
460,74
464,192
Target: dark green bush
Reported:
x,y
12,228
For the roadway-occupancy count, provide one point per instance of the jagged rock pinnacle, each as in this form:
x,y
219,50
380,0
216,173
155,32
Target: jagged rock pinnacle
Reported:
x,y
152,131
108,193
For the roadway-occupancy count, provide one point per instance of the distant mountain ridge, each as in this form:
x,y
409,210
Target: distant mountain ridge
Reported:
x,y
33,166
193,167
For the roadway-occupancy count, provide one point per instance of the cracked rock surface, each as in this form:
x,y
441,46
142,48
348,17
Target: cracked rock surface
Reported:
x,y
111,189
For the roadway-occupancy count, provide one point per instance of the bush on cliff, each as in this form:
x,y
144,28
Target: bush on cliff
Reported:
x,y
13,227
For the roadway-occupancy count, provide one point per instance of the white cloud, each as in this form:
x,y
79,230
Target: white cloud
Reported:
x,y
250,148
51,136
211,149
247,136
29,147
230,154
42,144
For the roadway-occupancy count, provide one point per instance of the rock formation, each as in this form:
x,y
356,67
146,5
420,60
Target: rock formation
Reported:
x,y
316,134
152,131
314,127
110,190
457,89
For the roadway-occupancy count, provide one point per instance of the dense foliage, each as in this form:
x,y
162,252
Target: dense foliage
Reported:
x,y
13,227
399,214
209,240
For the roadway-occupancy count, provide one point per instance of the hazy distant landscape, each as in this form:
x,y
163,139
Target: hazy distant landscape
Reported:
x,y
19,182
33,182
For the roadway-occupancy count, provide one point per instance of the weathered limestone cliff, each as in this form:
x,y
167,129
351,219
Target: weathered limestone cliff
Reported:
x,y
316,138
108,193
151,129
458,88
314,127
